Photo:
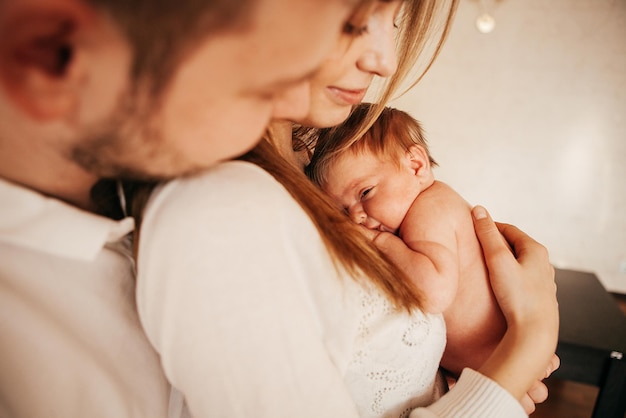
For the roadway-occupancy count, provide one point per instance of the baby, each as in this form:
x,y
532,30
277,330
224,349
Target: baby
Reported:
x,y
384,181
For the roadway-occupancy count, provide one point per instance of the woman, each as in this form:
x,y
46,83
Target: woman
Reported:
x,y
264,312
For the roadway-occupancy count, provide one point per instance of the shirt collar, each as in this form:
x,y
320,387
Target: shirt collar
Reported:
x,y
29,219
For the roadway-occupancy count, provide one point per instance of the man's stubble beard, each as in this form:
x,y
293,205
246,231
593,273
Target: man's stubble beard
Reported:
x,y
129,145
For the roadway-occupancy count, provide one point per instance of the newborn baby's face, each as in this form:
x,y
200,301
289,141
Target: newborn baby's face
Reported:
x,y
376,193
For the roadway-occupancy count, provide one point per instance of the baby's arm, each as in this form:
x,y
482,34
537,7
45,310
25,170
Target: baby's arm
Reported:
x,y
427,248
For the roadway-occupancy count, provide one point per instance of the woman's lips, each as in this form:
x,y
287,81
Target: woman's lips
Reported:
x,y
348,97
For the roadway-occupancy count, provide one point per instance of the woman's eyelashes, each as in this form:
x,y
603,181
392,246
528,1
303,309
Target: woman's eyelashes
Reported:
x,y
354,30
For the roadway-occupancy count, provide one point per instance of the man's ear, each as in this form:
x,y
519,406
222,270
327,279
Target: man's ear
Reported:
x,y
38,63
418,160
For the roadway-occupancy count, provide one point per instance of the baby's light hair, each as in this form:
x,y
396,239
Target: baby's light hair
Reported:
x,y
392,134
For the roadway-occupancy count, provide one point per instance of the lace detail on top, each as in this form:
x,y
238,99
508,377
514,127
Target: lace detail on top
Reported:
x,y
395,362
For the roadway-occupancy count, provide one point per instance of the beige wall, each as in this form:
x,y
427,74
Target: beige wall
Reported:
x,y
530,121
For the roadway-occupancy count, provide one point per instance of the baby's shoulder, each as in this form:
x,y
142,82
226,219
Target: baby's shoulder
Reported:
x,y
444,191
442,200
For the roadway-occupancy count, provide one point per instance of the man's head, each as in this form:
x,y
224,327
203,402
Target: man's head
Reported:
x,y
153,88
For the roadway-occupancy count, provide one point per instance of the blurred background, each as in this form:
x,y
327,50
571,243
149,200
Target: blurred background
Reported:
x,y
528,118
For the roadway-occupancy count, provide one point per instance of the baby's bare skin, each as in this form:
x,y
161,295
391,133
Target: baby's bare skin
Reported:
x,y
426,228
474,322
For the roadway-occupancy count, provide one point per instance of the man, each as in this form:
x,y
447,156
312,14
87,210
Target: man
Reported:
x,y
120,89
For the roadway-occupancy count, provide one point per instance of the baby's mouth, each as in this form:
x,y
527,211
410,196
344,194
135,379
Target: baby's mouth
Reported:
x,y
383,228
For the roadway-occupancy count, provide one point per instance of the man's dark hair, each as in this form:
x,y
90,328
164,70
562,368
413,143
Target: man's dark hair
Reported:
x,y
161,32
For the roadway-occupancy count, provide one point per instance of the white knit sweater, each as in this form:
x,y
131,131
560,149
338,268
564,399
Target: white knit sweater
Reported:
x,y
239,296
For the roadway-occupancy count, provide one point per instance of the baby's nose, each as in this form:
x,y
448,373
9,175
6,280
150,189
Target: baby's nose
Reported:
x,y
370,223
357,215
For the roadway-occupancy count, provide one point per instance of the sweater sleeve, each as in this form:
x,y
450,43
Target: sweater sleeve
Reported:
x,y
473,395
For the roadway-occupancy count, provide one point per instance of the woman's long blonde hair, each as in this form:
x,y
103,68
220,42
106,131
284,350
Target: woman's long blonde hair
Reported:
x,y
423,24
346,244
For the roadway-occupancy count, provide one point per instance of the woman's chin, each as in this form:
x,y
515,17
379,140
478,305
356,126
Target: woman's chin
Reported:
x,y
328,117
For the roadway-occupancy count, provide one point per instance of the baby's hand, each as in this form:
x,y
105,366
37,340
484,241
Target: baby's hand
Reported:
x,y
371,234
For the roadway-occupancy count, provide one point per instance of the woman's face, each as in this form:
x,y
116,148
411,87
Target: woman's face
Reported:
x,y
344,77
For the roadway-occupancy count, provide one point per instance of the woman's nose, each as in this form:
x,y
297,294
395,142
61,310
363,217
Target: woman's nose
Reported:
x,y
380,58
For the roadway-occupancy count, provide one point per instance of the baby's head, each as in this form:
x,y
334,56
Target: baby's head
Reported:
x,y
389,137
365,171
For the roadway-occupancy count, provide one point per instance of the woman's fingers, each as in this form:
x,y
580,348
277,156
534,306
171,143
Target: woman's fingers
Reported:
x,y
528,404
494,246
522,280
538,392
523,246
555,363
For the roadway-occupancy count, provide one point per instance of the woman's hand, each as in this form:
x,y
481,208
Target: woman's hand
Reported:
x,y
523,283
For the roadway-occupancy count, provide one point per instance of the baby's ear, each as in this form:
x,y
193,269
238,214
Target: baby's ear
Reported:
x,y
38,57
418,160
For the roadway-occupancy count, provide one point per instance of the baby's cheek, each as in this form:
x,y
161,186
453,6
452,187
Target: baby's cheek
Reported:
x,y
394,219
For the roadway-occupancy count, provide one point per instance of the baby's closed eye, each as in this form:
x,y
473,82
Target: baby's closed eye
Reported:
x,y
365,192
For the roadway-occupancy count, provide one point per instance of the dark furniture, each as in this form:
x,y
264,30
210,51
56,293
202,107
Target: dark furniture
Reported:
x,y
592,340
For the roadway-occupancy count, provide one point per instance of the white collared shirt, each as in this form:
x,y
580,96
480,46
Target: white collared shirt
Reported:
x,y
70,341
